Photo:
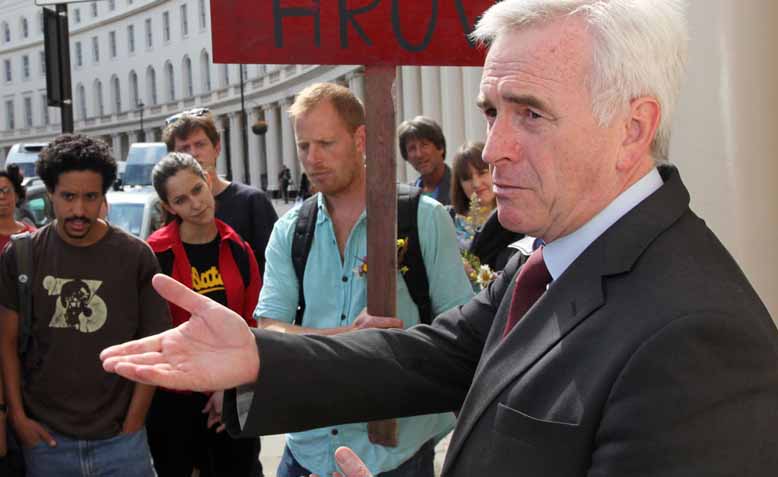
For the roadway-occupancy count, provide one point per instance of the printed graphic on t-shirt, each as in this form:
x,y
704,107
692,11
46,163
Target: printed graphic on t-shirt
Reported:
x,y
207,282
78,305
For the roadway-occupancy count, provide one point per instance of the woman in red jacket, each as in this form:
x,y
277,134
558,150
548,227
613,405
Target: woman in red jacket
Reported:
x,y
209,257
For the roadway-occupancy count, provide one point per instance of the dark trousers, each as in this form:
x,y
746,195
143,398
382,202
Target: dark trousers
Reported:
x,y
422,464
12,465
179,440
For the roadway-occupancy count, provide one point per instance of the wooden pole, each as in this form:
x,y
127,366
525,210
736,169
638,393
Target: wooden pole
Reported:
x,y
381,191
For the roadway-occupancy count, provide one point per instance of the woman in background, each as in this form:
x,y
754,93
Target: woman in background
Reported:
x,y
209,257
12,194
478,231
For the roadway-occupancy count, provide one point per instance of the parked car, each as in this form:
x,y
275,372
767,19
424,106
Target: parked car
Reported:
x,y
36,208
136,210
141,159
24,156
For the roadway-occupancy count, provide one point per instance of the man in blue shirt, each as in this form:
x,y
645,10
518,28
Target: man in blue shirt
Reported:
x,y
423,144
330,132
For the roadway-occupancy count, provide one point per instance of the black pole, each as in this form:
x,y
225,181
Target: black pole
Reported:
x,y
141,106
243,135
66,108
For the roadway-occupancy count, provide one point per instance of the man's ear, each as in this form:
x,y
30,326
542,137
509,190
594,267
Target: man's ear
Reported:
x,y
360,138
639,131
218,147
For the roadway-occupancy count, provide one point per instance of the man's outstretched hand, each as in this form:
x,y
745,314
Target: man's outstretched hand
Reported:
x,y
212,351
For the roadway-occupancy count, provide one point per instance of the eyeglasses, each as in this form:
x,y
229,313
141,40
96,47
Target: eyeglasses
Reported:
x,y
5,191
197,112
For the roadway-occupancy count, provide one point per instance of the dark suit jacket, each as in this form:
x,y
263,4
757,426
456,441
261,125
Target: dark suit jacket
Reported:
x,y
650,356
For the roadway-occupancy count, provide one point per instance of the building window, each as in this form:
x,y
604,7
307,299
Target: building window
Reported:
x,y
94,9
10,123
134,97
184,21
131,38
112,43
28,112
43,63
202,14
151,86
170,82
79,54
149,36
6,33
205,70
25,67
7,68
45,110
117,95
81,101
77,15
95,50
99,98
188,87
25,28
166,26
111,5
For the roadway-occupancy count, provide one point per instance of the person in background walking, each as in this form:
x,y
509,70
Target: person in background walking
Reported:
x,y
284,177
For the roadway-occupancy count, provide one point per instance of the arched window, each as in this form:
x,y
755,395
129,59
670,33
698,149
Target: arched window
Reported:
x,y
205,71
6,32
151,86
186,66
81,101
116,94
170,83
25,28
134,95
99,104
224,76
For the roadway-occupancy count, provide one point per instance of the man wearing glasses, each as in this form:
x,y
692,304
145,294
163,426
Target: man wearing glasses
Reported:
x,y
244,208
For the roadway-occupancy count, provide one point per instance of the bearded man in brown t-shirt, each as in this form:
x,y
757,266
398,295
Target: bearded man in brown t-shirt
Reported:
x,y
91,287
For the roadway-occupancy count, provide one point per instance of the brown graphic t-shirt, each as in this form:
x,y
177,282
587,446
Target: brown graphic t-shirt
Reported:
x,y
84,299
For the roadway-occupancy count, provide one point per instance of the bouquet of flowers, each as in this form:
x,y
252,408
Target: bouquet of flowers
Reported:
x,y
480,275
402,247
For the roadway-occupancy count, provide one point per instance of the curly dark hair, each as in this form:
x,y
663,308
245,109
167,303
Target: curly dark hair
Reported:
x,y
14,176
75,152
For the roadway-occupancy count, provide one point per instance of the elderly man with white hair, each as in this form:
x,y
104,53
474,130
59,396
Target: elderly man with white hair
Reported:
x,y
629,344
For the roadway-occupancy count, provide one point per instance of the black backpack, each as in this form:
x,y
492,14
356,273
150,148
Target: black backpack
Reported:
x,y
407,211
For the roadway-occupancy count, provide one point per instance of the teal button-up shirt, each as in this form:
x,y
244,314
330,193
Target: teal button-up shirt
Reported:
x,y
335,294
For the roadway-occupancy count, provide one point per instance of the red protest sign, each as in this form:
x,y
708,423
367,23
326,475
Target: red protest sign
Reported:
x,y
377,32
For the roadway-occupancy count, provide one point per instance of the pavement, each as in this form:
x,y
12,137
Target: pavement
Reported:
x,y
273,446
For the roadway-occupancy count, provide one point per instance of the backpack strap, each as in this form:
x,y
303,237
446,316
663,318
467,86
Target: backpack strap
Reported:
x,y
23,251
407,227
301,247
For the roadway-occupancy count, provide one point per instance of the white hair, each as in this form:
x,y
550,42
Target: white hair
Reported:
x,y
640,49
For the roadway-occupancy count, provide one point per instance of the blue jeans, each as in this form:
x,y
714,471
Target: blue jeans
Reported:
x,y
119,456
420,465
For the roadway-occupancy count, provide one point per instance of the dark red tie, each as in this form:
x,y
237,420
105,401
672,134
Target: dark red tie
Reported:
x,y
530,284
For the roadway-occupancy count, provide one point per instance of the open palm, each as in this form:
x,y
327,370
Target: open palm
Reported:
x,y
214,350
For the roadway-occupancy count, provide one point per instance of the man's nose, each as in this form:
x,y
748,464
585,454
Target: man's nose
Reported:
x,y
501,143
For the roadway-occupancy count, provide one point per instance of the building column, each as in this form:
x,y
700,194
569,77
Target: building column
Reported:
x,y
430,92
356,83
288,144
236,147
452,118
475,124
133,136
411,95
273,142
256,151
116,147
221,162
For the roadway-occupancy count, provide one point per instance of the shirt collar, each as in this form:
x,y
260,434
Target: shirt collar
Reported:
x,y
560,253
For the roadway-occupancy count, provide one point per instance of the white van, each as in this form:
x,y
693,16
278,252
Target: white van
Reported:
x,y
141,159
24,156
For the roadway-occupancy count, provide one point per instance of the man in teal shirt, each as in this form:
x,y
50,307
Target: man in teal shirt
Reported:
x,y
329,125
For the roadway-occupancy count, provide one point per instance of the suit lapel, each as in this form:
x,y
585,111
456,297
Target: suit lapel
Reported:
x,y
570,299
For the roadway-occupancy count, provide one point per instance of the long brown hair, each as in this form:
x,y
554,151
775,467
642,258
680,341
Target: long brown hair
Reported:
x,y
469,155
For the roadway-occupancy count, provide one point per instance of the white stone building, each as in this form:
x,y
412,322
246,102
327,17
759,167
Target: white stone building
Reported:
x,y
136,62
158,52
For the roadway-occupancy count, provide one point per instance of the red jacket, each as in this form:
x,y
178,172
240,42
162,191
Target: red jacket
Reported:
x,y
241,299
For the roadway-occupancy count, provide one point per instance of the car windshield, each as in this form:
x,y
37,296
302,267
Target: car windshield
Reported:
x,y
140,162
128,217
27,168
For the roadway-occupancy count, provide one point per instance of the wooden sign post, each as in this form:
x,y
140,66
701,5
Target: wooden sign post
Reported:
x,y
380,34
